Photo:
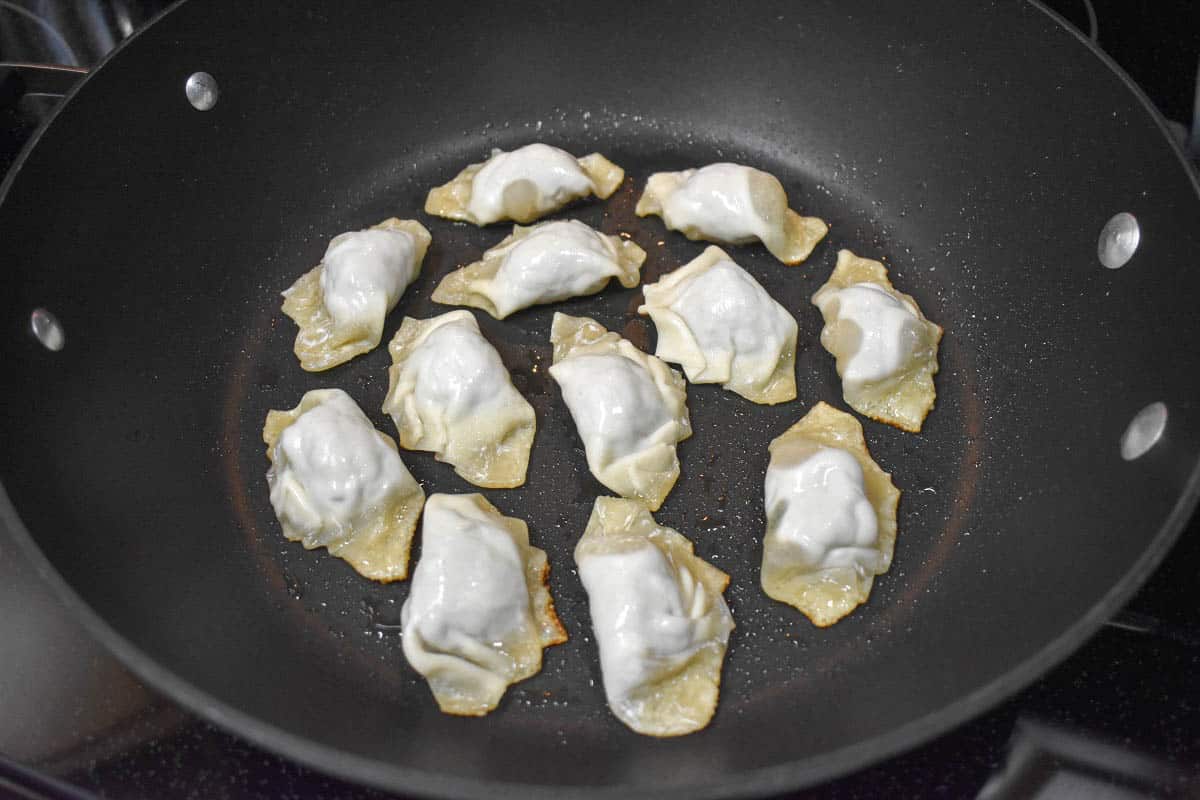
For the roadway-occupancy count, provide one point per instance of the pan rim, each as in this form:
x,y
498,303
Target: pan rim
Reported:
x,y
758,782
761,781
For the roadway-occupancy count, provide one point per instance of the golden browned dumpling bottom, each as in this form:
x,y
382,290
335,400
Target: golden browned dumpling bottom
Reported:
x,y
831,517
659,617
897,392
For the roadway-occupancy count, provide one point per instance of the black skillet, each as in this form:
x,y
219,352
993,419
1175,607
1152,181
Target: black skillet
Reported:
x,y
977,148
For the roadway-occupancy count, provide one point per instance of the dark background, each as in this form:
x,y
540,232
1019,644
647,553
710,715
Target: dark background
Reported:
x,y
1119,719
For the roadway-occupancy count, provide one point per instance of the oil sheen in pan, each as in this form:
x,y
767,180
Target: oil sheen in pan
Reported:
x,y
775,656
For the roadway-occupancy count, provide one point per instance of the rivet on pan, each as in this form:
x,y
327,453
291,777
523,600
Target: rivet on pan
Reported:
x,y
1144,431
201,90
1119,240
47,329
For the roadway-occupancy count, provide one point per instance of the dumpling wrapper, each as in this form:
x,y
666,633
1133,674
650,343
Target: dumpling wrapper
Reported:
x,y
733,204
659,617
479,612
545,263
449,393
716,321
629,408
826,569
523,185
338,483
367,291
886,350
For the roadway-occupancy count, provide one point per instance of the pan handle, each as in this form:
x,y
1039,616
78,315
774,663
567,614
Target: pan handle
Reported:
x,y
20,79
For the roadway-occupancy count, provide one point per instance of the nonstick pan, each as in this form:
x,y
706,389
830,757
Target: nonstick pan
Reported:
x,y
978,149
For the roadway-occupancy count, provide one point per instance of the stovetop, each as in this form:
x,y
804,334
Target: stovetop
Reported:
x,y
1119,719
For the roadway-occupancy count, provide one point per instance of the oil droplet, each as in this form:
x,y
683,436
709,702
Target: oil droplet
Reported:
x,y
381,617
294,590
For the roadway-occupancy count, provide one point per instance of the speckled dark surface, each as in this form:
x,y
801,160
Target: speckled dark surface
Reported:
x,y
1124,687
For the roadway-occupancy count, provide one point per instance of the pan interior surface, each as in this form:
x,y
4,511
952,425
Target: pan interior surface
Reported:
x,y
161,236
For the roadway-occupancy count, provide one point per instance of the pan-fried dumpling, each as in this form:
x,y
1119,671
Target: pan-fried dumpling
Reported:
x,y
721,326
449,393
341,303
629,407
831,517
886,350
545,263
338,483
659,616
479,613
523,185
734,204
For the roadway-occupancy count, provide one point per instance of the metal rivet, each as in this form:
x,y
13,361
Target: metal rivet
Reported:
x,y
202,91
1119,240
1144,431
47,329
